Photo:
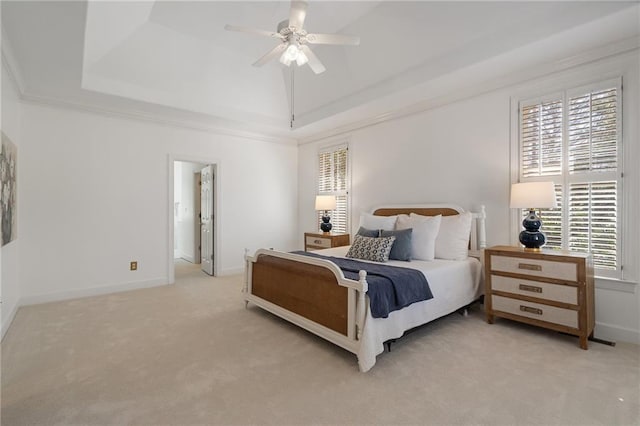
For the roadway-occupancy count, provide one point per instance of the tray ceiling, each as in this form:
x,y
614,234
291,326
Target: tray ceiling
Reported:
x,y
176,60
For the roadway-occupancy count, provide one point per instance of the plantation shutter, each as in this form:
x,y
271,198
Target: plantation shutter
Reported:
x,y
593,132
541,140
593,166
333,180
573,139
593,221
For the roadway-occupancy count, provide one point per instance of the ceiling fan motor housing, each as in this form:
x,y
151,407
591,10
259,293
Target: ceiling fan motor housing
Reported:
x,y
284,25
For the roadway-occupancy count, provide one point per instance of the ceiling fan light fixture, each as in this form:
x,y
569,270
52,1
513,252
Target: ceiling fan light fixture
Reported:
x,y
301,59
285,60
292,52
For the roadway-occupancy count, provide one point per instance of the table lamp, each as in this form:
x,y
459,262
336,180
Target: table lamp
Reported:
x,y
531,196
325,203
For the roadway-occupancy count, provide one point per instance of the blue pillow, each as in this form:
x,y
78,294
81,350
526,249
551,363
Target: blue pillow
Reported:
x,y
401,249
373,233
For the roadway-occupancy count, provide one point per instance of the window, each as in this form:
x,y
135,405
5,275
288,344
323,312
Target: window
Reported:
x,y
573,138
333,179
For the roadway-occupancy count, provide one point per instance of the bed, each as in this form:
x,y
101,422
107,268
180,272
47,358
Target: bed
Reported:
x,y
313,293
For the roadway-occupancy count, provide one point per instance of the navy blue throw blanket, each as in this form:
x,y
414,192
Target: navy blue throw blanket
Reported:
x,y
391,288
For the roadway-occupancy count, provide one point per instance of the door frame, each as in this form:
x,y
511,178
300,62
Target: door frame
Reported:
x,y
171,158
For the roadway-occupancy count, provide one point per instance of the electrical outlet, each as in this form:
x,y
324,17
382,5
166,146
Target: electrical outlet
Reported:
x,y
133,266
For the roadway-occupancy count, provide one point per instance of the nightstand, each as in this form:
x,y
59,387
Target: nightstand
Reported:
x,y
313,241
553,289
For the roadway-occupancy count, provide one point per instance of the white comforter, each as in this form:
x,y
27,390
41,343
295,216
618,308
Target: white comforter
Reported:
x,y
454,284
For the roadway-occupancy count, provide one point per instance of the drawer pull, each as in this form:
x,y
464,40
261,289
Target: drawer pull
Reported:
x,y
530,288
317,241
531,310
529,267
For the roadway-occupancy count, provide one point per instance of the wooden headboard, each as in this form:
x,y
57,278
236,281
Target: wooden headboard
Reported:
x,y
421,210
477,239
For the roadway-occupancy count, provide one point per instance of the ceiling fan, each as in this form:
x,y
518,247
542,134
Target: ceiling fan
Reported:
x,y
294,39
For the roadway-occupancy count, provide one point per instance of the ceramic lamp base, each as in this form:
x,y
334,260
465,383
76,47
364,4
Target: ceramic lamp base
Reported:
x,y
326,226
531,238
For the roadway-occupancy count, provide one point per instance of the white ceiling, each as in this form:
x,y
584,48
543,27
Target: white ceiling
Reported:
x,y
174,59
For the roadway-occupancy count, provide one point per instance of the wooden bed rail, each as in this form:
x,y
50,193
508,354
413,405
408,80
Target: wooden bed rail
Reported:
x,y
310,292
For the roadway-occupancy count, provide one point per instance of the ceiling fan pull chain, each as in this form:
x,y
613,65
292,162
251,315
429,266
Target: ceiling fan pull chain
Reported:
x,y
292,97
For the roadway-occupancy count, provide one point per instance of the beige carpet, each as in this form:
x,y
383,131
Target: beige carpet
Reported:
x,y
190,354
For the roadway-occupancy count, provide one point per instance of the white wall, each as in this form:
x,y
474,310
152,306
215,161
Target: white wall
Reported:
x,y
460,153
10,284
95,195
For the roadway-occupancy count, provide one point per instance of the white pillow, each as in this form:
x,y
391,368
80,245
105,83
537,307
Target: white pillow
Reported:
x,y
453,238
386,223
423,236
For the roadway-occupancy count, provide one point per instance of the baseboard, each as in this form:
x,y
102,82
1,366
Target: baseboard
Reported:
x,y
94,291
188,258
6,322
616,333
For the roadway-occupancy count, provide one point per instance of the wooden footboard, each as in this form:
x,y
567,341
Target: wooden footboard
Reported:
x,y
310,292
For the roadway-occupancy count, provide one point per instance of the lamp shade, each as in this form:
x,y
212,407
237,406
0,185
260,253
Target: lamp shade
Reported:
x,y
325,202
539,195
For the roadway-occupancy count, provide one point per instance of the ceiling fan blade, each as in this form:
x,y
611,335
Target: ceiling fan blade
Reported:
x,y
252,31
314,62
273,53
297,14
333,39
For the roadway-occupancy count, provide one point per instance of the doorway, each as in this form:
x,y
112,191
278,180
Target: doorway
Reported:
x,y
193,219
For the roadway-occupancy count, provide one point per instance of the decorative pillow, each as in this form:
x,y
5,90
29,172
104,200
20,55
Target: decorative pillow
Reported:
x,y
370,221
373,233
401,249
367,248
453,238
423,237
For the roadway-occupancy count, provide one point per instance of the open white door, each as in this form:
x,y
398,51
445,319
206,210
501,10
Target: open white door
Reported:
x,y
206,227
197,223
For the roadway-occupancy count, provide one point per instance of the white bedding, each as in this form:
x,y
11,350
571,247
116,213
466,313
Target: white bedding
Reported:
x,y
454,284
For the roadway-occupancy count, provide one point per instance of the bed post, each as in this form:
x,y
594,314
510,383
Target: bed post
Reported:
x,y
245,286
478,233
482,237
361,307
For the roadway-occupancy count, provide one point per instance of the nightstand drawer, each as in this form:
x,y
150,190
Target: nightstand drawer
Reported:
x,y
318,242
537,311
547,291
534,267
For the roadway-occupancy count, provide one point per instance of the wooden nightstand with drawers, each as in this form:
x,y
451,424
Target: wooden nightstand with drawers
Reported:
x,y
553,289
313,241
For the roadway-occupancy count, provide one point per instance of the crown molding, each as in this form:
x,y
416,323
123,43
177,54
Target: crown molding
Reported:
x,y
10,64
156,119
599,53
